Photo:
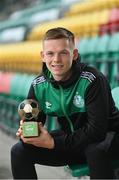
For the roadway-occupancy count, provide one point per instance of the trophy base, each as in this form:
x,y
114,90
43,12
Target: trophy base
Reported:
x,y
30,129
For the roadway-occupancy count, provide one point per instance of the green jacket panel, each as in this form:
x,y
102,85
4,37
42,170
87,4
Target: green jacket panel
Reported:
x,y
54,101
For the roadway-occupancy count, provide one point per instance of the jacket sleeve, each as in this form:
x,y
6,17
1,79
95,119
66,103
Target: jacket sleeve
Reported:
x,y
97,100
31,95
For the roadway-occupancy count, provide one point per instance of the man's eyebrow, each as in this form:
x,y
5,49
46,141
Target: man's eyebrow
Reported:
x,y
54,51
49,51
64,50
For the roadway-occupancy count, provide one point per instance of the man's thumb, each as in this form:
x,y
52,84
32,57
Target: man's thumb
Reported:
x,y
41,128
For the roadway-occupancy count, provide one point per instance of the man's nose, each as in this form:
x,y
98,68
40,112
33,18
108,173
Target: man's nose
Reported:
x,y
57,58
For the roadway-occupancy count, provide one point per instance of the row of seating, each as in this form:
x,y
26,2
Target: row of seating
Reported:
x,y
21,57
14,88
24,17
99,51
103,53
100,17
112,24
90,6
81,24
101,45
89,23
16,27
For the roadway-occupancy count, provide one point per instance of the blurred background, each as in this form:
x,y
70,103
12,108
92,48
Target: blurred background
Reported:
x,y
95,24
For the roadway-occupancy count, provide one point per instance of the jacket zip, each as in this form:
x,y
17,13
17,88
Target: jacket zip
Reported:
x,y
64,111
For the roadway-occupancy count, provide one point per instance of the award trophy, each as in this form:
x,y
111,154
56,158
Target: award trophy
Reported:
x,y
28,111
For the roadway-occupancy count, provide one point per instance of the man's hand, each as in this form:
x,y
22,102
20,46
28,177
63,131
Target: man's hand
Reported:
x,y
44,139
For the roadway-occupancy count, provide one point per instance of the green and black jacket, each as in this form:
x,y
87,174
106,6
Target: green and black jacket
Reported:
x,y
82,104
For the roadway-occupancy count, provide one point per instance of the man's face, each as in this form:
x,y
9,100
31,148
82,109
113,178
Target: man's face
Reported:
x,y
58,54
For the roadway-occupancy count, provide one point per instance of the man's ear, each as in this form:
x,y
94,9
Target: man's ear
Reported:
x,y
42,56
75,54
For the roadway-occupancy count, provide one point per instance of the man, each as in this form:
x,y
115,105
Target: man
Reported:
x,y
80,97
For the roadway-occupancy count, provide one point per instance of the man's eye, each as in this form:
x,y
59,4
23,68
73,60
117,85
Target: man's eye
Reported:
x,y
49,54
63,52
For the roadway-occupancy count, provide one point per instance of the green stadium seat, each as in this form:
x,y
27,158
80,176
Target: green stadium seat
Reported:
x,y
82,46
2,108
27,83
102,54
15,82
51,123
113,60
5,105
91,54
78,170
20,85
102,46
114,74
14,89
113,47
115,94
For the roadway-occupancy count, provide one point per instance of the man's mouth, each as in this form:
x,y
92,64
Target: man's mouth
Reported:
x,y
57,66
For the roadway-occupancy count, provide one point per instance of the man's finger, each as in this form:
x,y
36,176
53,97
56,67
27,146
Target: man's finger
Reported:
x,y
21,122
41,128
